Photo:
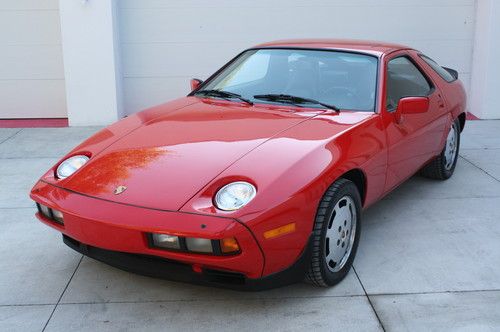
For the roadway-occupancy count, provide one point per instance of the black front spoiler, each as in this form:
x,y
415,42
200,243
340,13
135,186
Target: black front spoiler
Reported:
x,y
157,267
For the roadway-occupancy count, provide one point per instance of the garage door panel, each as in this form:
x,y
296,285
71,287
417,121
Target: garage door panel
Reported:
x,y
164,43
31,62
29,4
465,78
177,59
156,25
31,65
32,99
29,27
287,3
439,50
141,93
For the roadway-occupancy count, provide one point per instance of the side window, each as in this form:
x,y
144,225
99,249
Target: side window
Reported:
x,y
404,79
438,69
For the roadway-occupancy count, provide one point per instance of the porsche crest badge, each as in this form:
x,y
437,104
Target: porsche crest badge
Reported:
x,y
119,190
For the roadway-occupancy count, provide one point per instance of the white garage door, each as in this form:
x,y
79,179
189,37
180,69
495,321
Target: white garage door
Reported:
x,y
31,67
164,43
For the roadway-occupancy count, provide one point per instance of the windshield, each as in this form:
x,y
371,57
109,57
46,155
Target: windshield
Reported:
x,y
346,80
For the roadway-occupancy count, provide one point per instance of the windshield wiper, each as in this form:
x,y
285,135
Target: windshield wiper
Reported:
x,y
295,100
222,94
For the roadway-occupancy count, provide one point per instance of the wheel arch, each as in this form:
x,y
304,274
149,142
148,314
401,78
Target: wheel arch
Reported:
x,y
461,119
358,177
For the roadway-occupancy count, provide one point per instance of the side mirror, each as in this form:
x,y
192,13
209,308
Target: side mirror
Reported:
x,y
412,105
195,83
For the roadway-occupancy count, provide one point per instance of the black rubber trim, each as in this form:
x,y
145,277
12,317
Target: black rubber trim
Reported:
x,y
216,248
38,208
158,267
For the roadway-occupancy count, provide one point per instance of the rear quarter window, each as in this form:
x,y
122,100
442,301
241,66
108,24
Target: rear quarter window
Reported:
x,y
445,75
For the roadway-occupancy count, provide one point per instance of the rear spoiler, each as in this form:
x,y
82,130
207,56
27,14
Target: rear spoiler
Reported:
x,y
453,72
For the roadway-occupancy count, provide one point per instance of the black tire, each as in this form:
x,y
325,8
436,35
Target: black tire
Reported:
x,y
319,273
438,168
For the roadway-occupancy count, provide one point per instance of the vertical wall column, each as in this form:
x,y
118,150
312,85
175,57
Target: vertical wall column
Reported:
x,y
91,61
484,99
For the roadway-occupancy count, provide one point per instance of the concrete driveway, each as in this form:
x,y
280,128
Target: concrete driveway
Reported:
x,y
429,259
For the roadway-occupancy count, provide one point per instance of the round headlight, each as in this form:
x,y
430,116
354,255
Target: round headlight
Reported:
x,y
70,166
234,196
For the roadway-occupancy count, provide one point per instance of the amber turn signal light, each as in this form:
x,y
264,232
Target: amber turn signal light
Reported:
x,y
229,245
275,232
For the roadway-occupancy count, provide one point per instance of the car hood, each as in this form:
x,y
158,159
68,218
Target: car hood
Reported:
x,y
165,161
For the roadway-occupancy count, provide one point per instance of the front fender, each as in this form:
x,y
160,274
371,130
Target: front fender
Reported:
x,y
291,173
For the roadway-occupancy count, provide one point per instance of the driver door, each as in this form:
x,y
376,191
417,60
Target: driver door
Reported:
x,y
412,139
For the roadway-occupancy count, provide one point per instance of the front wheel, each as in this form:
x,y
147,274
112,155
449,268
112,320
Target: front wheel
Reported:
x,y
336,234
443,166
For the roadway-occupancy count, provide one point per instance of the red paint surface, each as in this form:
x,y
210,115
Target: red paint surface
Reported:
x,y
33,123
174,157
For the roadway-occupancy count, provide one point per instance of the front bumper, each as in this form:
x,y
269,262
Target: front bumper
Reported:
x,y
107,226
158,267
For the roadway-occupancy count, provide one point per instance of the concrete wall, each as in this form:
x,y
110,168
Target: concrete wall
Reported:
x,y
91,61
484,98
31,66
165,43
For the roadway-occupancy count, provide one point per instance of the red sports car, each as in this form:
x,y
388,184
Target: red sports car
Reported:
x,y
259,176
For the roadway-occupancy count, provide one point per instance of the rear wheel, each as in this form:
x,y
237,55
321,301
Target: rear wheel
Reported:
x,y
336,234
443,166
